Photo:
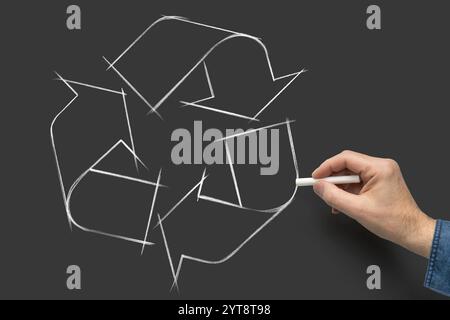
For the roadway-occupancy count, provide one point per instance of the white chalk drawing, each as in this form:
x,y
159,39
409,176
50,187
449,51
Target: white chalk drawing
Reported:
x,y
197,186
231,35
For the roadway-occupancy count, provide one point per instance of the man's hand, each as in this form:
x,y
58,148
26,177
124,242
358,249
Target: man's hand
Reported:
x,y
381,203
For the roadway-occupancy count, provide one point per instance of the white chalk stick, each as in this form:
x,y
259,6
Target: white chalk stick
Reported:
x,y
306,182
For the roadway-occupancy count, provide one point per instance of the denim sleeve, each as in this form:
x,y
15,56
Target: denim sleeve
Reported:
x,y
438,273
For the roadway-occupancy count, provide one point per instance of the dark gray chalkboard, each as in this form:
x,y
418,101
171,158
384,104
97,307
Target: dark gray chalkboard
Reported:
x,y
381,92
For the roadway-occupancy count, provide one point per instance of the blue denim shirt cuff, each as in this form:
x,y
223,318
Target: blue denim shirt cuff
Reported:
x,y
438,272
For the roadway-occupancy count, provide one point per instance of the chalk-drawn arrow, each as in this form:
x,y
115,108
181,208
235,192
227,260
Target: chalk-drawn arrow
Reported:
x,y
175,250
224,36
69,185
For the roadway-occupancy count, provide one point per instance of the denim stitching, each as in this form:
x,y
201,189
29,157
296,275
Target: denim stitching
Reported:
x,y
434,249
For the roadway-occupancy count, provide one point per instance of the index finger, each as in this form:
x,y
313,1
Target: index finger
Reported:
x,y
353,161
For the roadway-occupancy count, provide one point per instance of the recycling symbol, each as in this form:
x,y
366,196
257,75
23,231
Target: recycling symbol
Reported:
x,y
187,147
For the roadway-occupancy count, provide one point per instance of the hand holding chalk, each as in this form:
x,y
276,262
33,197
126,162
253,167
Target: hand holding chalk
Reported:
x,y
381,203
307,182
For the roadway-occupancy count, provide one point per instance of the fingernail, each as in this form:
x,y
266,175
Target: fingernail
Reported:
x,y
318,188
313,173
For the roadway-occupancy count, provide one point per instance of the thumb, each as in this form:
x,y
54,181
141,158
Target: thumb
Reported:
x,y
337,198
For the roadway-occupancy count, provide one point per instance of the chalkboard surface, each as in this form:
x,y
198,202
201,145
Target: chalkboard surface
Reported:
x,y
115,98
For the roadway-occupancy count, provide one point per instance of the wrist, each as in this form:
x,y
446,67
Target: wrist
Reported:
x,y
419,238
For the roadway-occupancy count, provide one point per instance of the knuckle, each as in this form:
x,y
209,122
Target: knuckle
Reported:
x,y
390,166
347,152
